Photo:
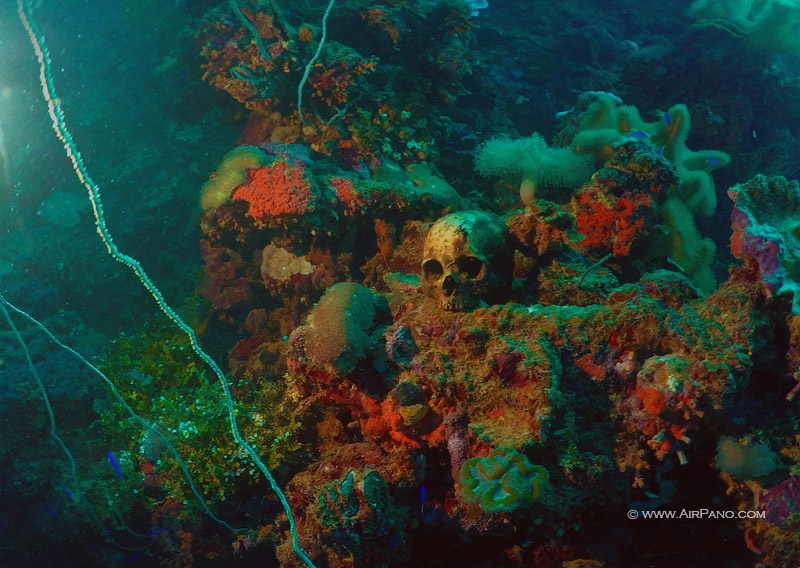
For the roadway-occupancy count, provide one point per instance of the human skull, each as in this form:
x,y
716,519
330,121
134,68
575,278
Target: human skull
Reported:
x,y
467,259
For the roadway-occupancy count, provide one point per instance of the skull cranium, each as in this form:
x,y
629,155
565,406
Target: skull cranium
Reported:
x,y
467,259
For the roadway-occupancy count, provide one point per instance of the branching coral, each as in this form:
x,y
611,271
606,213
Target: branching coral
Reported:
x,y
347,89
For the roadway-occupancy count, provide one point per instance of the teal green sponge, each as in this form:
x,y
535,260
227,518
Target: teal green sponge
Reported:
x,y
771,26
501,481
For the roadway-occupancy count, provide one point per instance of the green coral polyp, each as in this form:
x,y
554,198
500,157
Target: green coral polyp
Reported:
x,y
502,481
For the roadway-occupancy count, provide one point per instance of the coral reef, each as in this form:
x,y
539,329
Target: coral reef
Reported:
x,y
392,414
433,371
355,108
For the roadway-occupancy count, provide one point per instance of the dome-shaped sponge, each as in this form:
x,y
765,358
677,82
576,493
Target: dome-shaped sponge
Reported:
x,y
232,171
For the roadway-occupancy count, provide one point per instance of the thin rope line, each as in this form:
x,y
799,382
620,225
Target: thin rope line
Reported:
x,y
59,126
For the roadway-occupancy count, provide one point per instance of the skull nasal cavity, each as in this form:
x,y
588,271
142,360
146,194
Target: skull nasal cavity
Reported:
x,y
449,286
469,265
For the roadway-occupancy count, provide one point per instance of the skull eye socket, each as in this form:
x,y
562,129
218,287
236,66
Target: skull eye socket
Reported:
x,y
469,265
432,270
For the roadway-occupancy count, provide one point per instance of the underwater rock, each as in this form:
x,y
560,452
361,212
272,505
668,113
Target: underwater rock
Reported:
x,y
766,232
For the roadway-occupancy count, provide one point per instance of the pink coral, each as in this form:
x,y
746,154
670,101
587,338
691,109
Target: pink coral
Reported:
x,y
780,501
766,232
